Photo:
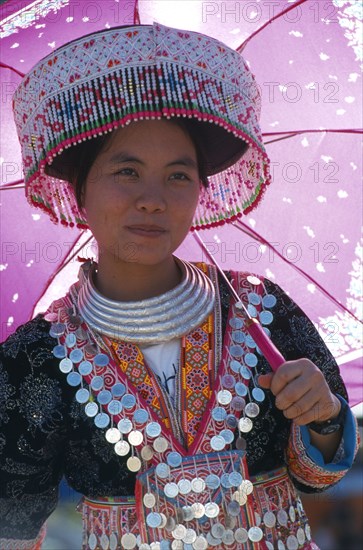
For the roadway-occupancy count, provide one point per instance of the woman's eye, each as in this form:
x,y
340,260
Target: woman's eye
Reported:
x,y
180,176
126,172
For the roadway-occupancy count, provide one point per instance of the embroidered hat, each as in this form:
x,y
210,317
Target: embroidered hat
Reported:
x,y
108,79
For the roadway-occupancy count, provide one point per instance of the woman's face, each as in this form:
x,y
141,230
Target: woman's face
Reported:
x,y
142,191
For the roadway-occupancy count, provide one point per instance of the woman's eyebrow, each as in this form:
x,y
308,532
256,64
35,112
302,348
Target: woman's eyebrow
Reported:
x,y
120,157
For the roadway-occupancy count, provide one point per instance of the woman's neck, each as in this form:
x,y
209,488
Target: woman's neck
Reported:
x,y
129,281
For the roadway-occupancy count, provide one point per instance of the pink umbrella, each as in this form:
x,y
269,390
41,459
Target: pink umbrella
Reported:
x,y
305,233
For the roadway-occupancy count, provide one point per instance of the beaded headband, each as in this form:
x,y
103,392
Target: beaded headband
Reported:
x,y
108,79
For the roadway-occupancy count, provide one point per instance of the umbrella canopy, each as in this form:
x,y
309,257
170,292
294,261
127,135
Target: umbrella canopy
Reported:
x,y
306,232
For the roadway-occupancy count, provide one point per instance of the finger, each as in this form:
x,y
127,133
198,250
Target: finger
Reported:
x,y
293,392
285,374
264,380
303,409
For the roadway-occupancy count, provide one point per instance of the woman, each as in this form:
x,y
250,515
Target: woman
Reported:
x,y
142,385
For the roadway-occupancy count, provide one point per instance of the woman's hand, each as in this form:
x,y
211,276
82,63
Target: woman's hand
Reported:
x,y
304,396
301,392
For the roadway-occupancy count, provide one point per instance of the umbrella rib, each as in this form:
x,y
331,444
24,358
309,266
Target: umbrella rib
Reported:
x,y
262,240
5,66
283,12
62,266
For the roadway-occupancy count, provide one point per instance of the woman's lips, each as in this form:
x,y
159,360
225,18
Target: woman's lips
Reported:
x,y
146,230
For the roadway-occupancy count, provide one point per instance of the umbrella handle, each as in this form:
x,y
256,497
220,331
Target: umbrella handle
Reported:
x,y
268,348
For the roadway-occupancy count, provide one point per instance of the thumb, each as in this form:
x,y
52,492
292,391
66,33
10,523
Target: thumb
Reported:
x,y
264,380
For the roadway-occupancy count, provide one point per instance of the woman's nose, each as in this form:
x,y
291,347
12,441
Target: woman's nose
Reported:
x,y
151,197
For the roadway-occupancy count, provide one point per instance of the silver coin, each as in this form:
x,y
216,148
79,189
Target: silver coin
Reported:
x,y
258,519
101,360
128,541
227,435
190,536
252,310
266,317
238,337
149,500
105,542
200,543
250,341
292,514
254,298
280,545
308,532
135,438
228,381
171,490
269,545
65,365
258,394
170,524
160,444
231,421
113,541
179,532
74,379
174,459
91,409
218,530
233,508
252,410
163,520
269,300
128,401
89,349
255,534
224,397
153,519
71,340
92,541
59,351
141,416
239,497
82,395
236,350
122,448
235,479
177,545
247,486
219,414
241,535
241,444
184,486
85,368
245,425
76,355
292,543
118,390
125,426
147,453
282,517
113,435
57,329
162,470
104,397
217,443
300,535
253,280
155,546
102,420
97,383
198,509
144,546
225,481
235,366
133,463
114,407
212,481
212,541
153,429
228,537
236,322
250,360
188,513
230,522
245,372
198,485
238,403
269,519
211,509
